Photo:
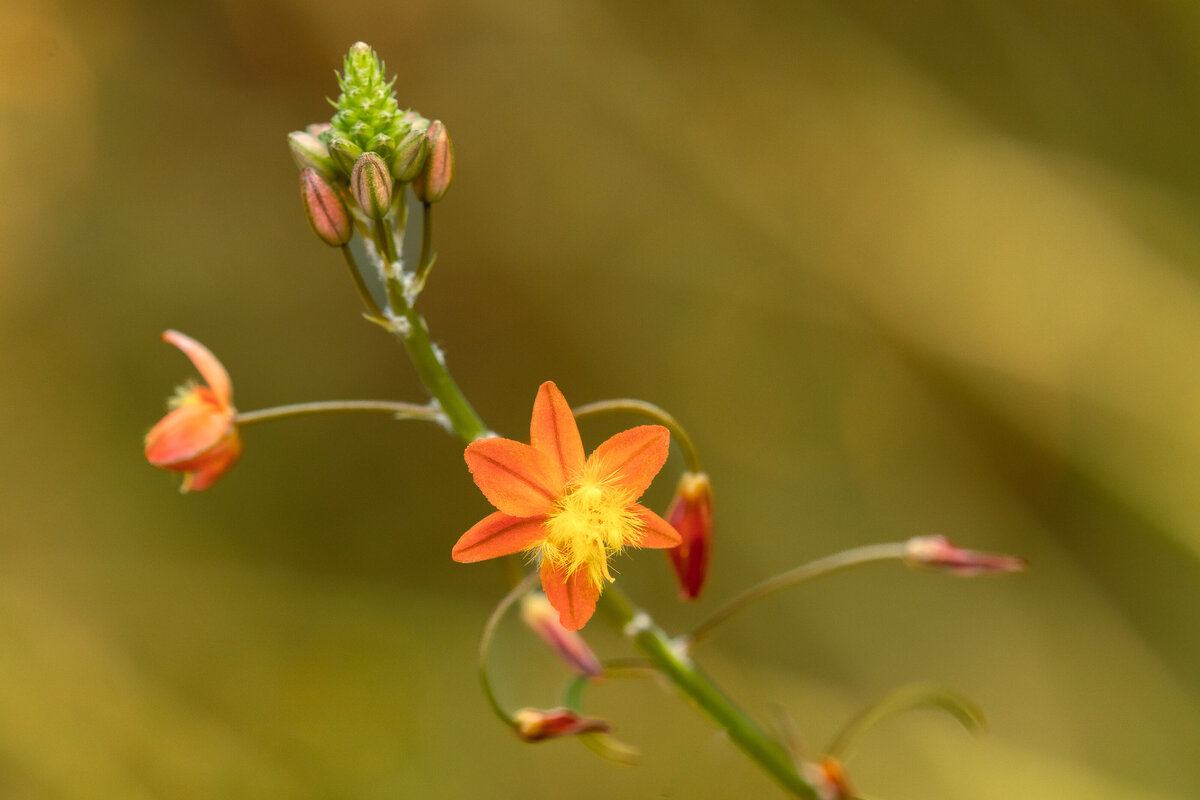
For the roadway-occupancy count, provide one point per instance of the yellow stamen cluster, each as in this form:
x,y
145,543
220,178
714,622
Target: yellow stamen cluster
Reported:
x,y
592,521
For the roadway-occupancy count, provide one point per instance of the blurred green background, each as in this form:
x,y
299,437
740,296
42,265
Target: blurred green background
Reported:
x,y
901,269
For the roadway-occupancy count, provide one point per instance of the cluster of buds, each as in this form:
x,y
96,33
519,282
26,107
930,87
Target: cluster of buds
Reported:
x,y
361,161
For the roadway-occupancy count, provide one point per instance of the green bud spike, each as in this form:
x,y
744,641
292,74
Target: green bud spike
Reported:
x,y
367,106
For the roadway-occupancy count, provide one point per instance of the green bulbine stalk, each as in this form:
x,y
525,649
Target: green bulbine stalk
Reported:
x,y
397,410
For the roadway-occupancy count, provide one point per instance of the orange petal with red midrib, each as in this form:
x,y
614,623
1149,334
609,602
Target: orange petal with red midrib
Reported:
x,y
573,596
516,478
656,531
552,430
634,456
496,535
187,431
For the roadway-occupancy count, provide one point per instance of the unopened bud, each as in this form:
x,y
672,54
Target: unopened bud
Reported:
x,y
569,646
414,120
536,725
326,212
309,152
319,129
345,153
384,146
431,185
371,184
409,159
938,552
691,514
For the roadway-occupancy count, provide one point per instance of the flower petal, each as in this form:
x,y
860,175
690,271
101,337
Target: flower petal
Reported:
x,y
206,364
498,535
574,596
514,477
216,463
553,430
657,532
188,431
634,456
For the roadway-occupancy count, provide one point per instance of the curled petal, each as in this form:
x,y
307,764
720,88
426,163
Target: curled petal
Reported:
x,y
514,477
496,535
216,463
194,427
657,532
573,596
206,364
634,456
553,430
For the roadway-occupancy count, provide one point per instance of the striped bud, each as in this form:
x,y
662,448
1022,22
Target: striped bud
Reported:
x,y
371,185
326,212
431,185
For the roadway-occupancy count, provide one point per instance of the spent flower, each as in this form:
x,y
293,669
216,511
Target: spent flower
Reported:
x,y
199,435
571,512
536,725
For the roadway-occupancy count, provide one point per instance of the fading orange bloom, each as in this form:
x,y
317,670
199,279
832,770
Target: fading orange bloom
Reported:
x,y
691,513
199,435
572,513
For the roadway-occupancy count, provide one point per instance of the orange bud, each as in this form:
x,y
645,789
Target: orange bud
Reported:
x,y
690,513
326,212
938,552
536,725
431,185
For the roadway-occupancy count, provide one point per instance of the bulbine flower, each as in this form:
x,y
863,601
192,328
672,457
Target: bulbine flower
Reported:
x,y
691,513
571,512
199,435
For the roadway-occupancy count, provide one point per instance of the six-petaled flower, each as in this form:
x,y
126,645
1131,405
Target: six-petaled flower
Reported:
x,y
571,512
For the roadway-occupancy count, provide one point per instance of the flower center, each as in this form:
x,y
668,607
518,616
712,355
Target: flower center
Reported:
x,y
591,522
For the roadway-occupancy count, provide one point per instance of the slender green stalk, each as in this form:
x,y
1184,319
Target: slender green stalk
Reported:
x,y
485,644
675,665
397,410
360,283
433,373
805,572
652,411
425,260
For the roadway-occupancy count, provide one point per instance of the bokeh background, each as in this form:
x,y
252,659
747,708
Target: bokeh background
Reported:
x,y
901,268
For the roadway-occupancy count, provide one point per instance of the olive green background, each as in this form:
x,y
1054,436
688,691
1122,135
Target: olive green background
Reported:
x,y
901,268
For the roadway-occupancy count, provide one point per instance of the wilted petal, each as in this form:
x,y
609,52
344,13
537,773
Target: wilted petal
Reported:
x,y
206,363
216,462
938,552
542,619
496,535
514,477
573,596
188,431
634,456
536,725
553,430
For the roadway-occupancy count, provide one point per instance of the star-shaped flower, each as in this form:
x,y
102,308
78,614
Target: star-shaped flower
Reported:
x,y
571,512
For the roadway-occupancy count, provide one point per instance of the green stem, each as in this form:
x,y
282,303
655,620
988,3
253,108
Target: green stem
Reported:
x,y
652,411
675,665
360,283
805,572
397,410
485,645
425,260
433,373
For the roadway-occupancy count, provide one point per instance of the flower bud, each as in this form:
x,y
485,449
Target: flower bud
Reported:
x,y
326,212
318,129
569,646
384,146
409,159
535,725
371,184
938,552
345,153
414,120
309,152
431,185
690,513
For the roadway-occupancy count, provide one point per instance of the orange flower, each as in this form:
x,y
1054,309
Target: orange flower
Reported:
x,y
572,513
199,435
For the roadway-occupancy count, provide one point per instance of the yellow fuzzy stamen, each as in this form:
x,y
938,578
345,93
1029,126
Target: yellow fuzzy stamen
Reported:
x,y
592,521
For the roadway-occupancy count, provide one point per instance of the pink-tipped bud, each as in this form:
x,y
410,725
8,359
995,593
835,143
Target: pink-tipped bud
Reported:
x,y
938,552
326,212
410,155
536,725
828,777
309,152
318,129
691,513
371,185
431,185
569,646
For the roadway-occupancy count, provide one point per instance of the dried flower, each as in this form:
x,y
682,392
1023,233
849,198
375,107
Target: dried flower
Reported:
x,y
938,552
536,725
690,513
199,436
572,513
